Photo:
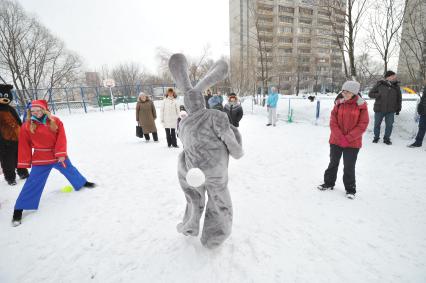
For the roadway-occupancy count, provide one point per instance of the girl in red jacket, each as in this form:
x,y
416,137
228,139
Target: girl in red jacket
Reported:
x,y
348,122
43,145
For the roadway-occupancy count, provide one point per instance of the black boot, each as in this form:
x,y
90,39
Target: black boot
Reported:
x,y
387,141
376,140
17,217
155,136
23,173
89,185
11,182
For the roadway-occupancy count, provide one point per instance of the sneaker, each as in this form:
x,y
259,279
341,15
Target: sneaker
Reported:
x,y
350,195
376,140
268,124
387,141
324,187
89,185
11,182
17,217
415,145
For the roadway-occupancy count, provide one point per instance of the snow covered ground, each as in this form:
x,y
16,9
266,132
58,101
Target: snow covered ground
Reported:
x,y
284,229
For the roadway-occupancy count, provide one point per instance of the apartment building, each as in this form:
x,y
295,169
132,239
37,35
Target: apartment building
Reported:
x,y
292,44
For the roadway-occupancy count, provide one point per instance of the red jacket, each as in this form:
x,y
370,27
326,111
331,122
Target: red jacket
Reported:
x,y
349,120
47,145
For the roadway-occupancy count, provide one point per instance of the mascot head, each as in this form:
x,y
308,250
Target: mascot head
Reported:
x,y
5,94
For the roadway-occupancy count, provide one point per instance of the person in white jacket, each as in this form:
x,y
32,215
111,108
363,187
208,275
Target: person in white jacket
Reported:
x,y
169,114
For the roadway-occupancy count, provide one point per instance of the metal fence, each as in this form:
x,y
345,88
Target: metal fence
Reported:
x,y
301,109
87,99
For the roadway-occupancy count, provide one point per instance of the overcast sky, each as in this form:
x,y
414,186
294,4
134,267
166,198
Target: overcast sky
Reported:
x,y
112,32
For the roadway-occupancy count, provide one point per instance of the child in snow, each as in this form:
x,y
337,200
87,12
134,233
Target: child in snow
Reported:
x,y
234,110
10,124
348,122
45,135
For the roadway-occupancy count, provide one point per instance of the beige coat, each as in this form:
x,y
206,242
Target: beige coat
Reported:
x,y
146,115
169,113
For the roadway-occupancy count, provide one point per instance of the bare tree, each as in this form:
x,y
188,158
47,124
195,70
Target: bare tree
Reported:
x,y
369,70
384,25
413,43
30,55
353,15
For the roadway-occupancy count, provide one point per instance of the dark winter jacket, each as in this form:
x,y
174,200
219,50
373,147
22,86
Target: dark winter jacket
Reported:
x,y
10,124
234,112
387,95
349,120
421,108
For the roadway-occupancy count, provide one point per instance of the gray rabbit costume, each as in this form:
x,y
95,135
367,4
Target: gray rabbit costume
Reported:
x,y
208,140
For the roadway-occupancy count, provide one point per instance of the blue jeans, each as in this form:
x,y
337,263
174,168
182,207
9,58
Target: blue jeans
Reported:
x,y
422,130
378,118
29,198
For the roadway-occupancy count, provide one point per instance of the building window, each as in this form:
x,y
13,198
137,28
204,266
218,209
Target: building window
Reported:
x,y
286,19
285,29
304,30
305,21
323,50
304,40
324,41
305,11
305,50
286,40
286,50
304,60
286,9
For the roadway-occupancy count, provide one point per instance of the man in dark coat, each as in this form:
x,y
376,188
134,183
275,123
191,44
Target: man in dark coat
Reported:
x,y
387,94
10,124
421,109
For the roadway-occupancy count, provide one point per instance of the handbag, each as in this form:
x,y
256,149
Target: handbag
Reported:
x,y
139,131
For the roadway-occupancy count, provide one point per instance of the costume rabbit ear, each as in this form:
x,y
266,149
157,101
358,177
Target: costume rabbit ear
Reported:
x,y
217,73
179,69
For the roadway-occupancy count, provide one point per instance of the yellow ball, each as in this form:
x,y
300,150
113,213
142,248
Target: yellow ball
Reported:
x,y
67,189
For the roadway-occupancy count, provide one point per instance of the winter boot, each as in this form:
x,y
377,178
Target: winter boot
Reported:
x,y
17,217
269,124
350,195
11,182
89,185
325,187
387,141
376,140
415,145
23,174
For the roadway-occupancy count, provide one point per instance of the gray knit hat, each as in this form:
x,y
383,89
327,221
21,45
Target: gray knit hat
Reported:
x,y
352,86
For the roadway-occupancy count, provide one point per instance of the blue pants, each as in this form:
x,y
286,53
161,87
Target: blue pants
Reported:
x,y
378,118
422,130
29,198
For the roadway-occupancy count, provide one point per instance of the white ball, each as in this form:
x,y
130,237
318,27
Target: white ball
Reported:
x,y
195,177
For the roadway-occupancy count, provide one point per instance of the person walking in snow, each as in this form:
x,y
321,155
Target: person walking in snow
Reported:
x,y
146,115
388,102
421,109
271,106
216,102
348,122
169,115
43,146
234,110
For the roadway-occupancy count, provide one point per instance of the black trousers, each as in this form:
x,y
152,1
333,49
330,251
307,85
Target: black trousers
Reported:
x,y
171,137
9,161
349,161
154,136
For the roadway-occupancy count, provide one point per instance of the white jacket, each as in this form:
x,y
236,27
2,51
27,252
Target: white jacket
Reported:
x,y
169,113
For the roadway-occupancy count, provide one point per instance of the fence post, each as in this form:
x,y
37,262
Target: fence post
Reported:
x,y
317,112
82,96
51,100
99,100
68,102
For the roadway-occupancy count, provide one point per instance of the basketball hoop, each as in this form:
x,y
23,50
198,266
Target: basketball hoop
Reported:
x,y
109,83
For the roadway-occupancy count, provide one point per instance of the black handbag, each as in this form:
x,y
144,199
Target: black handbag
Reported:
x,y
139,131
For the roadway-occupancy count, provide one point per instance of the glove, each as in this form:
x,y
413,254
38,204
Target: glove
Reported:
x,y
397,113
344,142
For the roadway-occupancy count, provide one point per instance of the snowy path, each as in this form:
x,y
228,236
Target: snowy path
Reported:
x,y
284,229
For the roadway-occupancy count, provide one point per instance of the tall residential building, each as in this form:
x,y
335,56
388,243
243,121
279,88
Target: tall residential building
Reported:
x,y
291,43
412,55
